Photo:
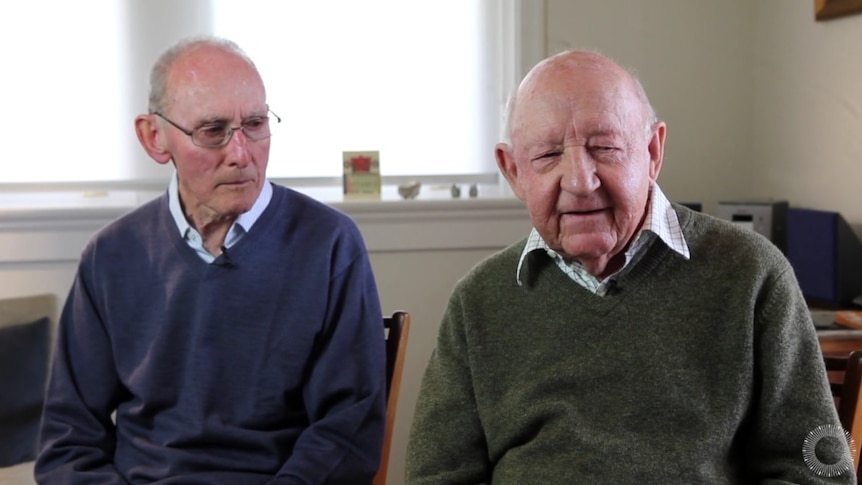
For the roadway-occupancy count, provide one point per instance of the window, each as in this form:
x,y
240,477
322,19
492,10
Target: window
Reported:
x,y
64,115
424,83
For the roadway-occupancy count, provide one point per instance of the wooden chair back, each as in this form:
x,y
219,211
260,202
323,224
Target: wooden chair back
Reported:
x,y
845,379
397,328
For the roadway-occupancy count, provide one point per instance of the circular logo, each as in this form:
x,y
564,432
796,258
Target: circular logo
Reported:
x,y
815,463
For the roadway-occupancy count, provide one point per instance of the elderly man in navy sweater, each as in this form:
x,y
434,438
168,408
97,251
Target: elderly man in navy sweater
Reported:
x,y
228,331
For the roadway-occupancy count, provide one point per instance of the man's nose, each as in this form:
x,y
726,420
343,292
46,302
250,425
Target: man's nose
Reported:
x,y
237,148
579,171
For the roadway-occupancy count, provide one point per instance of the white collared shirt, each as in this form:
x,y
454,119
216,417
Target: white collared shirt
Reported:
x,y
661,222
237,230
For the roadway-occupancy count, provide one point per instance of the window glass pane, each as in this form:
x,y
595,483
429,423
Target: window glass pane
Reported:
x,y
61,85
418,81
413,80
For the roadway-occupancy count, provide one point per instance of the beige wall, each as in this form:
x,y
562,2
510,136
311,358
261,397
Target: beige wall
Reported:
x,y
760,99
808,107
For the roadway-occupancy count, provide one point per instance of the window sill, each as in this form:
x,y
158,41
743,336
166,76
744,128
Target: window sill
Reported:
x,y
52,226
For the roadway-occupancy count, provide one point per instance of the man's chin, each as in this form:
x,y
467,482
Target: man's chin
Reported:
x,y
235,207
587,247
244,186
238,196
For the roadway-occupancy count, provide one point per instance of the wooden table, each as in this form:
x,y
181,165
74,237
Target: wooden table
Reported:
x,y
839,340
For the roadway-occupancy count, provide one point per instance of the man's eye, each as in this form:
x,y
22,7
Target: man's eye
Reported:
x,y
254,123
549,155
604,151
212,131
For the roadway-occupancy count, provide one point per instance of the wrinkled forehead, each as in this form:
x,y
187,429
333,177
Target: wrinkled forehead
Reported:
x,y
213,79
560,101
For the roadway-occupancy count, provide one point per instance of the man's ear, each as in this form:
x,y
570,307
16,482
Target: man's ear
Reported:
x,y
152,138
508,167
656,150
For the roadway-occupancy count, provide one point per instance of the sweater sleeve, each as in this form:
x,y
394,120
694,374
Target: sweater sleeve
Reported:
x,y
77,438
345,391
447,443
793,407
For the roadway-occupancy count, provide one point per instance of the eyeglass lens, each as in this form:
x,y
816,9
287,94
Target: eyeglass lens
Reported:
x,y
218,134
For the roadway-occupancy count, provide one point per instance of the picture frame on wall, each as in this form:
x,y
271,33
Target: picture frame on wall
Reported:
x,y
831,9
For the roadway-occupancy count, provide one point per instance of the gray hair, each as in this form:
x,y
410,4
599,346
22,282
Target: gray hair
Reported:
x,y
162,66
640,92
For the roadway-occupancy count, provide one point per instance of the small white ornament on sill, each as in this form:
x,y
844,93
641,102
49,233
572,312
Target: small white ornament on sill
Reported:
x,y
409,190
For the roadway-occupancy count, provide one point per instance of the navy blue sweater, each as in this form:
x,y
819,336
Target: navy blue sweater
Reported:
x,y
266,366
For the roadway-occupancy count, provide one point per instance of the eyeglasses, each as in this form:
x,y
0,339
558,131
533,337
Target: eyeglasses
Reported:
x,y
218,134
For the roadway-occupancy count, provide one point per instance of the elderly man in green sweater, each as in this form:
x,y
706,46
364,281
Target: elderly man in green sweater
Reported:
x,y
626,339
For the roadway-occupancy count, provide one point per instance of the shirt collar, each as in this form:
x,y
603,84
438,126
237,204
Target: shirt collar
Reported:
x,y
242,223
661,220
664,223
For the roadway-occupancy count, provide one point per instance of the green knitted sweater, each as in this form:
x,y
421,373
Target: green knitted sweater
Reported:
x,y
705,370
